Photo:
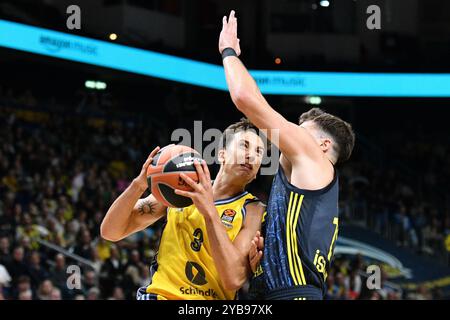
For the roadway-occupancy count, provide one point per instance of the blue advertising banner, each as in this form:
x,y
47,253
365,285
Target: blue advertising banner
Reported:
x,y
119,57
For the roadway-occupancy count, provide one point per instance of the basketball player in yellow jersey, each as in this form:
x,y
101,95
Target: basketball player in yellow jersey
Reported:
x,y
203,252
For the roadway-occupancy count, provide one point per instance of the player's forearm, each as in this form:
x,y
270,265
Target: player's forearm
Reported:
x,y
230,263
243,88
117,219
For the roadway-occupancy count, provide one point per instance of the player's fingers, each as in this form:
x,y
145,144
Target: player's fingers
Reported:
x,y
253,252
253,247
147,162
189,181
184,193
224,21
261,242
255,261
154,152
200,173
232,13
230,19
150,157
260,254
206,171
257,236
254,264
233,21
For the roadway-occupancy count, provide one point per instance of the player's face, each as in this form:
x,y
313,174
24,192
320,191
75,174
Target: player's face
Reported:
x,y
243,156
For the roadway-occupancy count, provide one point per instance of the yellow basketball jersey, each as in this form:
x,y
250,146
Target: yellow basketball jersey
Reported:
x,y
185,268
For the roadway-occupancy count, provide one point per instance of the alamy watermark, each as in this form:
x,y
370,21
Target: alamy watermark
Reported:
x,y
374,20
212,137
74,20
74,278
373,281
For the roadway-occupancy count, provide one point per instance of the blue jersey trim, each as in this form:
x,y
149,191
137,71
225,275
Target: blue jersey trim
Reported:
x,y
228,200
248,201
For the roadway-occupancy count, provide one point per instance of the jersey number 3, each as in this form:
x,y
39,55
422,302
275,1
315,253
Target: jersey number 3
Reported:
x,y
196,244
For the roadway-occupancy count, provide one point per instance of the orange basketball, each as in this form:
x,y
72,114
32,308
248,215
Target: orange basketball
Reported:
x,y
163,174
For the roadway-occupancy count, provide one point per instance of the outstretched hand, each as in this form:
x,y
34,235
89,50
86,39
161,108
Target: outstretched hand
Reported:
x,y
228,36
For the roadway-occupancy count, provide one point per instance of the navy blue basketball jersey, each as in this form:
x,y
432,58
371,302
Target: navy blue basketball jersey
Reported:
x,y
300,230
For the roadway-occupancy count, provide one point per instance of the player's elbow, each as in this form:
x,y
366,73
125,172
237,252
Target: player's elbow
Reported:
x,y
235,279
233,283
106,234
242,99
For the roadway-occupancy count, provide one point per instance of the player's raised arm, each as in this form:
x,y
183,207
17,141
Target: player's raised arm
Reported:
x,y
294,141
129,214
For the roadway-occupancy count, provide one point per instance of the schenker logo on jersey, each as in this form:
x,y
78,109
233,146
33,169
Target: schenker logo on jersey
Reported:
x,y
196,274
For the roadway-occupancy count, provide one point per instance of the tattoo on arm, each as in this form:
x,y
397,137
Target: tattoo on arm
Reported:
x,y
146,207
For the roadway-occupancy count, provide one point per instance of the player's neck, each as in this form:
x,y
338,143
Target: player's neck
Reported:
x,y
224,187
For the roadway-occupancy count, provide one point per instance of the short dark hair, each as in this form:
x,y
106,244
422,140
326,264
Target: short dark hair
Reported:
x,y
340,130
242,125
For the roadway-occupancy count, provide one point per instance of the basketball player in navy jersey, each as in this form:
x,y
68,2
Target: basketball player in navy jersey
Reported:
x,y
301,224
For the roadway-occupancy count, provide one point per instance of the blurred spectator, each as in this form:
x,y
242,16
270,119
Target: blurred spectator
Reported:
x,y
36,272
26,295
5,253
90,281
45,290
59,191
117,294
112,272
84,246
93,294
17,267
58,272
55,294
23,287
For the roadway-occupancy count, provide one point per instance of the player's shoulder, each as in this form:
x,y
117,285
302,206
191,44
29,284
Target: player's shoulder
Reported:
x,y
253,204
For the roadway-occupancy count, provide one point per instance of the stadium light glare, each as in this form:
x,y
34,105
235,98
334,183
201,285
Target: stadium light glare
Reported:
x,y
113,37
324,3
90,84
99,85
315,100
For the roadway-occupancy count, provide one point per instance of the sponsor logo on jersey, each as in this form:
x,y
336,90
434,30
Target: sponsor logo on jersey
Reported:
x,y
228,216
199,292
195,273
